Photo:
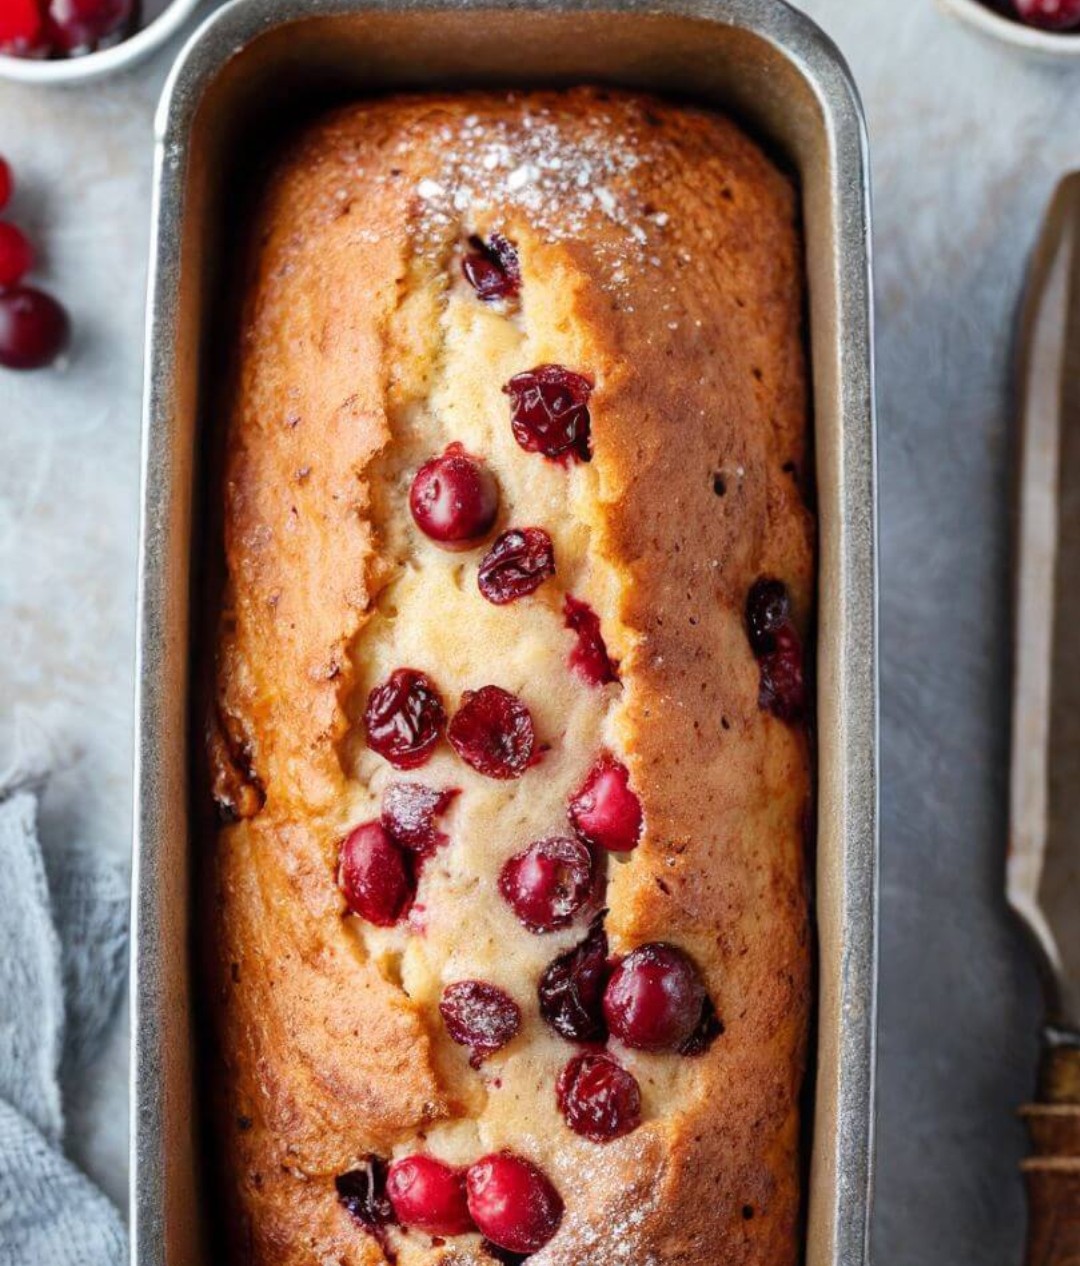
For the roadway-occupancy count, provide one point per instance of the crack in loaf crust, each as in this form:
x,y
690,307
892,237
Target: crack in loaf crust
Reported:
x,y
660,256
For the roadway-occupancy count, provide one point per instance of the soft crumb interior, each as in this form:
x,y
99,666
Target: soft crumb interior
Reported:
x,y
452,354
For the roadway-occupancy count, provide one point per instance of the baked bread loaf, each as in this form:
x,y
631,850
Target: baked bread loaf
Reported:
x,y
511,939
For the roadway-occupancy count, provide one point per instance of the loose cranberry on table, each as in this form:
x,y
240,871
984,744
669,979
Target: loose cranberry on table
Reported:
x,y
479,1015
404,718
571,990
776,643
589,658
492,268
548,883
1051,15
549,412
655,999
374,875
16,254
33,328
454,499
598,1098
605,812
492,731
513,1202
409,810
517,564
429,1195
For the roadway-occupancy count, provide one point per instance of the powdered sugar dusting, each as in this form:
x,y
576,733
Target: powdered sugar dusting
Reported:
x,y
562,176
627,1178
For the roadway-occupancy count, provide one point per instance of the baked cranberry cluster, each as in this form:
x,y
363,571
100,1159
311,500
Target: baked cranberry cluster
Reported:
x,y
492,730
652,999
454,501
379,861
554,879
502,1195
776,643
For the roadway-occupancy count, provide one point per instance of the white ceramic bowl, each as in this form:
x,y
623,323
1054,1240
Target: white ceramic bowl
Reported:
x,y
161,20
1029,39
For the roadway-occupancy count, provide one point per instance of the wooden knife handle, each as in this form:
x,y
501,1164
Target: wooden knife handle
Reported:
x,y
1052,1172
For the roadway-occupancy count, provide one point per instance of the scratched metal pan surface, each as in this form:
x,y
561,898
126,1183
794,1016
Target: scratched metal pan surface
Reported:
x,y
256,62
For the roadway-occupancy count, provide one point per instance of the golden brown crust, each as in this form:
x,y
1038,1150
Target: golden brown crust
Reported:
x,y
686,309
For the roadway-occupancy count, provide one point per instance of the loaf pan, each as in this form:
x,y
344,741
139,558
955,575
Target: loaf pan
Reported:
x,y
257,61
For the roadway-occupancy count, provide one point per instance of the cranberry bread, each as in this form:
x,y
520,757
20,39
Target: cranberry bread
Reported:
x,y
510,907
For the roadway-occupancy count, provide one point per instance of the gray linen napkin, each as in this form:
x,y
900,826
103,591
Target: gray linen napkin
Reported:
x,y
63,958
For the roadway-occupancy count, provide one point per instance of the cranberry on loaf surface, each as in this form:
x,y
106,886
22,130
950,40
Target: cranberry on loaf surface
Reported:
x,y
509,901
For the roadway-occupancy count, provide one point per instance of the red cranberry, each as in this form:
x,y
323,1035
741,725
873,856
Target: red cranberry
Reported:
x,y
409,810
775,641
768,610
598,1098
516,565
374,875
550,412
7,183
571,990
783,684
513,1203
429,1195
493,732
362,1193
479,1016
33,328
23,29
492,268
404,718
1051,15
16,254
655,998
548,883
79,26
454,499
589,658
605,812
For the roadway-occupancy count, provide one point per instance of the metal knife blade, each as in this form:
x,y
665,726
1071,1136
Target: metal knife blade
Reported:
x,y
1043,873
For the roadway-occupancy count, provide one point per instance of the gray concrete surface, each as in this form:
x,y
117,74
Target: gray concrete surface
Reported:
x,y
968,142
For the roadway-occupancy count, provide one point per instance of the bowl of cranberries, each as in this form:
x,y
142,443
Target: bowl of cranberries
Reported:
x,y
1048,27
71,41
